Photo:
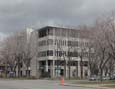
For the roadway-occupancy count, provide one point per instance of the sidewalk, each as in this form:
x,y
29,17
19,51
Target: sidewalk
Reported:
x,y
88,86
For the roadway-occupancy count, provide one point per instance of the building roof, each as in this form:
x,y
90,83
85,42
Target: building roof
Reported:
x,y
84,33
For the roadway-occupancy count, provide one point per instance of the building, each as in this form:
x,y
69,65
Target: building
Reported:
x,y
60,51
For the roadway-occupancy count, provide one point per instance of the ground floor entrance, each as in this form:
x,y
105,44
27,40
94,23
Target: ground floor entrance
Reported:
x,y
57,68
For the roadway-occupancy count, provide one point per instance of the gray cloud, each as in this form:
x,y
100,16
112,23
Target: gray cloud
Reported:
x,y
18,14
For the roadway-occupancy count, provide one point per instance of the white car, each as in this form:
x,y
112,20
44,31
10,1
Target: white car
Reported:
x,y
106,78
93,78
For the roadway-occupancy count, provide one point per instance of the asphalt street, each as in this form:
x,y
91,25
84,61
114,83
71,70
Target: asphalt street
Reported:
x,y
34,84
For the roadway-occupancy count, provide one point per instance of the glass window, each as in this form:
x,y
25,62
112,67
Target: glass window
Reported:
x,y
42,33
50,31
85,63
65,42
50,42
76,43
50,53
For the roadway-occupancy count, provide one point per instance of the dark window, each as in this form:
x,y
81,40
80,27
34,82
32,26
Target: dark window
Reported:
x,y
74,63
72,43
56,42
76,43
69,43
42,33
85,63
42,43
45,32
50,42
50,53
21,65
75,54
50,31
42,54
60,53
70,54
65,42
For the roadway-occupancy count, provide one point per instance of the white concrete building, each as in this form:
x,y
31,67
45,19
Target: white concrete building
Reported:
x,y
60,50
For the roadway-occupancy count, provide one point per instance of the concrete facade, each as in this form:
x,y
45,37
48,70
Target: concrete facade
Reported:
x,y
60,50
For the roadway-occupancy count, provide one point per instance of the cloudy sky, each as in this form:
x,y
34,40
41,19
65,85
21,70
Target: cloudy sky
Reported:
x,y
18,14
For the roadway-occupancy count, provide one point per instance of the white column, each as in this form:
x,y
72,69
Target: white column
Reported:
x,y
66,70
79,69
53,68
46,66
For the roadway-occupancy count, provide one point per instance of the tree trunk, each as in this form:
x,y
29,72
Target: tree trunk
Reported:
x,y
5,70
69,67
101,74
69,72
65,68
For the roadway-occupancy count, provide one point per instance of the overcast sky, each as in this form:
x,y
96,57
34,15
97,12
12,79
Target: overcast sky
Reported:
x,y
18,14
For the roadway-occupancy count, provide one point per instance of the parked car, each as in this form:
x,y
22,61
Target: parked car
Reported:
x,y
103,77
112,78
93,78
106,78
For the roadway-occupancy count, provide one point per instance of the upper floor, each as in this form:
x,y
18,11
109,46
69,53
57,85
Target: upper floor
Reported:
x,y
63,32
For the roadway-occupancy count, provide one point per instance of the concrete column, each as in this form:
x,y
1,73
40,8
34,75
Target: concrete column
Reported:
x,y
66,70
46,69
38,72
53,68
79,69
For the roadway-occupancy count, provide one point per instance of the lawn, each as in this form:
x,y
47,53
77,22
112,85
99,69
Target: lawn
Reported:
x,y
96,82
111,85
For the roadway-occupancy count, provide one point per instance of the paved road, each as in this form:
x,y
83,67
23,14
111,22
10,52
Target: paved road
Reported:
x,y
33,84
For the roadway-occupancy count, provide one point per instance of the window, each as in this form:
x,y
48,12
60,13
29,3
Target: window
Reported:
x,y
65,42
45,53
85,54
59,42
70,54
73,43
57,32
45,31
85,63
74,63
60,53
42,33
76,43
50,53
63,32
42,43
50,42
69,43
86,44
42,54
56,42
75,54
50,32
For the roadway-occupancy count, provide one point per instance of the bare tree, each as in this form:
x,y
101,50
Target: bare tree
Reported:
x,y
17,52
8,52
101,45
